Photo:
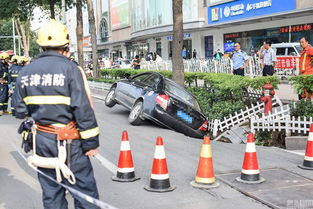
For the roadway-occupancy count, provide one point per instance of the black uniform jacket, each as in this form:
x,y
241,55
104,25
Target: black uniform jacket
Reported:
x,y
51,90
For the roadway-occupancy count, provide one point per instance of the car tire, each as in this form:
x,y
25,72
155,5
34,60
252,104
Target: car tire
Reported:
x,y
110,98
134,117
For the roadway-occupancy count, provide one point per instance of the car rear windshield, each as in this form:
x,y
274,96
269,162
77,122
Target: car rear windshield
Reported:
x,y
181,93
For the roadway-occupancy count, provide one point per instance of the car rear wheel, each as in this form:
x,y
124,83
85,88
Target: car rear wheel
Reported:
x,y
135,114
110,98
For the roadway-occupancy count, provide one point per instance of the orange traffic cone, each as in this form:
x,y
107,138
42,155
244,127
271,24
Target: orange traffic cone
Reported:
x,y
308,158
159,181
250,173
125,170
205,175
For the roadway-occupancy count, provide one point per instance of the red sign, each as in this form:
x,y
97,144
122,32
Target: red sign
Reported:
x,y
286,62
296,28
232,35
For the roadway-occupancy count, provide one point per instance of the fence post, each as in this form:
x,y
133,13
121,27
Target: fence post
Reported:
x,y
215,128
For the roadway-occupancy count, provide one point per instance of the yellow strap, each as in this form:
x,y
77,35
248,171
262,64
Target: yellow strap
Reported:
x,y
303,62
52,100
90,133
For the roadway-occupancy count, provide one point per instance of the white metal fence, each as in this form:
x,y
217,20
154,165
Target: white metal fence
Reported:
x,y
224,65
241,117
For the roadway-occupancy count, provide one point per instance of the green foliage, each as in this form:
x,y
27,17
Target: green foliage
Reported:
x,y
303,84
303,108
263,137
6,30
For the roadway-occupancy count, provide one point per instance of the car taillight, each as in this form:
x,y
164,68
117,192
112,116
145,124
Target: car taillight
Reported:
x,y
204,126
163,100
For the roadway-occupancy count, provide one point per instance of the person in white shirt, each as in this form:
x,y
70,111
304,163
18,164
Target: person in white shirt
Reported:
x,y
269,58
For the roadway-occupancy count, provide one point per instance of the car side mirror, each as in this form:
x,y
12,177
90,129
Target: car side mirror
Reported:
x,y
127,76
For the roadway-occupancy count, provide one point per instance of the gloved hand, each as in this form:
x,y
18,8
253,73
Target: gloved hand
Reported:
x,y
27,143
26,130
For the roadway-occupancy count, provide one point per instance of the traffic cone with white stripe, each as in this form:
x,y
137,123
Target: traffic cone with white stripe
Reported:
x,y
159,181
308,158
125,171
205,175
250,173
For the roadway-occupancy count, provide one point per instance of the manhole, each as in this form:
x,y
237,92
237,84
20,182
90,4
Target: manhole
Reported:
x,y
282,189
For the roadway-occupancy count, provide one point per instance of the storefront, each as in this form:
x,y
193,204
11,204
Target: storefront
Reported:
x,y
251,41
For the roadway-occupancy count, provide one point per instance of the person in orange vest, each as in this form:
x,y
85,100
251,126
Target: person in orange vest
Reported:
x,y
306,61
306,58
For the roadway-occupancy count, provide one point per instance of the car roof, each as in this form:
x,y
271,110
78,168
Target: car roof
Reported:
x,y
285,44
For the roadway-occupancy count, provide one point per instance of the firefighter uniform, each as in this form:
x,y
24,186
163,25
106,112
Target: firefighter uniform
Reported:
x,y
51,90
13,74
4,88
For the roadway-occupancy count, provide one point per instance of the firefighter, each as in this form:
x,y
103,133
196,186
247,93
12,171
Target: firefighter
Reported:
x,y
17,64
51,90
4,88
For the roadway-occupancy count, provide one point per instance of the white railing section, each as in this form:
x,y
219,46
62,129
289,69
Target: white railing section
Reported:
x,y
99,85
278,123
243,116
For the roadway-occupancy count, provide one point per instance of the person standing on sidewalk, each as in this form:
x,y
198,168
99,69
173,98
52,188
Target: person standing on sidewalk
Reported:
x,y
269,58
306,58
240,60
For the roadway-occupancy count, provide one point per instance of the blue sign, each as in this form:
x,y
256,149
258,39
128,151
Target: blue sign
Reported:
x,y
186,35
241,9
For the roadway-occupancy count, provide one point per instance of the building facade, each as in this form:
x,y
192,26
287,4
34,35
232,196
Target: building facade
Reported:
x,y
127,28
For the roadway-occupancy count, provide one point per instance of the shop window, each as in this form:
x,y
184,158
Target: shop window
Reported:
x,y
104,32
280,51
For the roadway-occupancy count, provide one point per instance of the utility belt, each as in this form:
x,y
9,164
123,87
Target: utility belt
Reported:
x,y
67,132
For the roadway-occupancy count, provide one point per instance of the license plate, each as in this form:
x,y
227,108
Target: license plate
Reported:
x,y
185,117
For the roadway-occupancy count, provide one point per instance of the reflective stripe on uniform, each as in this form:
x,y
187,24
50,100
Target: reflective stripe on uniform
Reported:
x,y
303,62
47,100
14,75
90,133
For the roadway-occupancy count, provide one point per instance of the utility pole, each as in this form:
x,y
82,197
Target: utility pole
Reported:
x,y
13,27
63,12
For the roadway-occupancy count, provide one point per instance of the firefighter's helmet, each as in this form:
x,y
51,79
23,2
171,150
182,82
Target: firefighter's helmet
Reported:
x,y
4,55
22,59
14,58
53,34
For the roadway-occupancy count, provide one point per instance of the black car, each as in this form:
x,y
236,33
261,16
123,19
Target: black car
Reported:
x,y
152,96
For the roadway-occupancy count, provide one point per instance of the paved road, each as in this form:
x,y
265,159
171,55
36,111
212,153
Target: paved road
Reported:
x,y
19,187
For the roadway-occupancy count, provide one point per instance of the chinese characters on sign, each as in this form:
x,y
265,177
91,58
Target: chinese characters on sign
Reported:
x,y
296,28
287,62
43,80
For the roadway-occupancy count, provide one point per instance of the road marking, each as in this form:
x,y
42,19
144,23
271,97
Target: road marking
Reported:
x,y
106,163
294,152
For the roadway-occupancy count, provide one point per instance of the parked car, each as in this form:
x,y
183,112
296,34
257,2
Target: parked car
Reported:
x,y
287,49
152,96
124,64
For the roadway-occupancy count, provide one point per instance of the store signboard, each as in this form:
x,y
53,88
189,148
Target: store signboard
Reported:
x,y
242,9
119,14
186,36
217,2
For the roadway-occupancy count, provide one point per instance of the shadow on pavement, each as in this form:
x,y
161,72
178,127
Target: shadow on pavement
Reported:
x,y
15,194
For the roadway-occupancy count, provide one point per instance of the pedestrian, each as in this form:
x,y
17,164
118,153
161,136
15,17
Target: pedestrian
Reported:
x,y
218,55
268,56
194,54
14,70
240,60
158,58
53,91
4,84
306,58
184,53
136,63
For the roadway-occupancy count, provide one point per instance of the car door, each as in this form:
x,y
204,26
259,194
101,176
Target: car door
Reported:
x,y
132,91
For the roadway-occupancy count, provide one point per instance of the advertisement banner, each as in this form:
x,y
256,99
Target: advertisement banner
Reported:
x,y
119,14
287,62
244,9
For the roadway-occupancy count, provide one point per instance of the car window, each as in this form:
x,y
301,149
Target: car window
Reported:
x,y
181,93
280,51
299,48
140,78
292,51
152,80
127,62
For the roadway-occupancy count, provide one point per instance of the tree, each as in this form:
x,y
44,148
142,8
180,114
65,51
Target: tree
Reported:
x,y
177,59
92,27
52,5
80,32
21,11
